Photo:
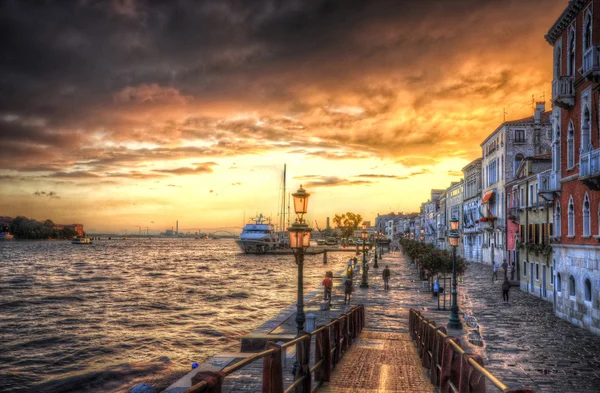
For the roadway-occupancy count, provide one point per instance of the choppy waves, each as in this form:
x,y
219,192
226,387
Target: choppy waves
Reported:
x,y
79,318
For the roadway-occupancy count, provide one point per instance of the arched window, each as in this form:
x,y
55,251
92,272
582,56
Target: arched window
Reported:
x,y
571,218
586,216
588,290
587,32
586,141
557,60
571,53
571,286
557,230
518,158
556,147
570,147
558,283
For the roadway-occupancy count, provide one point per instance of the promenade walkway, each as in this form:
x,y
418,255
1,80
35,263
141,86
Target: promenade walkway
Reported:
x,y
523,344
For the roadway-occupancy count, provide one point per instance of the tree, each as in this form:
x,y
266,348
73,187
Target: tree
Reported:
x,y
348,223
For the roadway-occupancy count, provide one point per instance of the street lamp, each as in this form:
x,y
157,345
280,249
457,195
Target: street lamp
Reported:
x,y
299,240
422,237
454,321
375,236
363,281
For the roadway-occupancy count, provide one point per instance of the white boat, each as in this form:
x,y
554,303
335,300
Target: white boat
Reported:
x,y
81,240
6,236
258,237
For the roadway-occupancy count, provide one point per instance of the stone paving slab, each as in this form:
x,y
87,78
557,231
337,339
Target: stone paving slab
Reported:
x,y
381,362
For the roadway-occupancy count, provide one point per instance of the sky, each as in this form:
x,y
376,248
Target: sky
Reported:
x,y
118,114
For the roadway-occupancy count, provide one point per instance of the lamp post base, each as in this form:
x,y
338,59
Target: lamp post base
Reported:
x,y
456,325
364,285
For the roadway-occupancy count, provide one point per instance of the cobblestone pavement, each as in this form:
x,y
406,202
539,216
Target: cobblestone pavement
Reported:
x,y
525,343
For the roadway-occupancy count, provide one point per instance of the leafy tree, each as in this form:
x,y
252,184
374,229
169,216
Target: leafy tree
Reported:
x,y
348,223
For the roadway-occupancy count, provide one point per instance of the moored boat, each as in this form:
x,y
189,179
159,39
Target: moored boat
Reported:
x,y
81,240
6,236
258,237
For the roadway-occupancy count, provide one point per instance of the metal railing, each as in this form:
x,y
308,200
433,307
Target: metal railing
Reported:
x,y
451,369
332,342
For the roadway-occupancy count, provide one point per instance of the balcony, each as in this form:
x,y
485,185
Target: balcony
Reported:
x,y
591,64
548,185
563,92
589,169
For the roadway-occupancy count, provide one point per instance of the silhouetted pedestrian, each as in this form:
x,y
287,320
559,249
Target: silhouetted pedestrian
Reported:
x,y
505,290
495,274
348,289
386,277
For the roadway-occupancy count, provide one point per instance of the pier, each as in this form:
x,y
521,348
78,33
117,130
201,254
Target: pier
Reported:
x,y
376,346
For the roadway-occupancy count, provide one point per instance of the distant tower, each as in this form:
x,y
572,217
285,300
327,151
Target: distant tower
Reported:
x,y
327,222
177,227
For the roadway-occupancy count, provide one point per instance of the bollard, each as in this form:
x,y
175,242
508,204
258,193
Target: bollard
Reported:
x,y
310,322
324,256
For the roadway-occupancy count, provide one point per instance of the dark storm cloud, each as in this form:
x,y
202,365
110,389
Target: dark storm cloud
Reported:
x,y
315,181
76,75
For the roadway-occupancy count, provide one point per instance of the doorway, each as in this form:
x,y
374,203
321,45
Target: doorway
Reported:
x,y
544,292
531,287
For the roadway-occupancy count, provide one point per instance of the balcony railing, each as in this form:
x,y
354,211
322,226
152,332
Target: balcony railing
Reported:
x,y
589,168
563,92
591,63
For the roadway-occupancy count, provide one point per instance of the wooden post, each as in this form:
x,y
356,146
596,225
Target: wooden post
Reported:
x,y
213,379
272,379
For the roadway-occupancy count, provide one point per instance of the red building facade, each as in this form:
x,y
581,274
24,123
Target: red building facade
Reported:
x,y
575,177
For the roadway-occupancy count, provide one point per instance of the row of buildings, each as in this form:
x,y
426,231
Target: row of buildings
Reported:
x,y
533,197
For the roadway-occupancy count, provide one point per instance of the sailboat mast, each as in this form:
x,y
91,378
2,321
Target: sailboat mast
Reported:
x,y
282,216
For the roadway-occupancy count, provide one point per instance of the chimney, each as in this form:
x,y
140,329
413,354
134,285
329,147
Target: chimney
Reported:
x,y
540,107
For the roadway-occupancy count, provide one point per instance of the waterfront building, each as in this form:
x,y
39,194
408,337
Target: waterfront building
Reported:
x,y
429,210
472,234
575,38
441,220
454,209
382,223
502,152
529,226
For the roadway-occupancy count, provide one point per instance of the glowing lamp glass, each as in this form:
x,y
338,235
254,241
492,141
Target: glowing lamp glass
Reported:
x,y
454,224
454,238
301,201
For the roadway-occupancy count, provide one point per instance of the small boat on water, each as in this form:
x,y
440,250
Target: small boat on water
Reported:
x,y
81,240
6,236
258,237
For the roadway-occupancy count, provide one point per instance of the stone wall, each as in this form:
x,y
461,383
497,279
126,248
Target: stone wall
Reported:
x,y
582,264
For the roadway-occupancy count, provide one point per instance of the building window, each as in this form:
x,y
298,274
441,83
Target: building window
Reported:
x,y
551,276
537,272
557,220
557,60
571,53
524,268
558,283
571,219
571,286
586,216
518,158
531,195
587,32
588,290
519,136
570,147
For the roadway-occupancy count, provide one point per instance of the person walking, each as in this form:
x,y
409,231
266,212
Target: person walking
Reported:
x,y
505,268
348,289
327,286
495,274
386,277
505,290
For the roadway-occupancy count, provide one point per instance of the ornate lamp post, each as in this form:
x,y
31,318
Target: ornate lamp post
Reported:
x,y
454,321
363,280
375,236
299,240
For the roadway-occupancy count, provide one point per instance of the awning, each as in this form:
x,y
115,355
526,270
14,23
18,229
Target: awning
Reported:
x,y
487,197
